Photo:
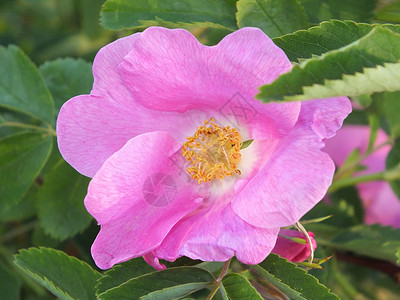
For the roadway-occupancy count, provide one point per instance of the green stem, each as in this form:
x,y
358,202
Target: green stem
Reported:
x,y
48,130
218,280
348,167
341,183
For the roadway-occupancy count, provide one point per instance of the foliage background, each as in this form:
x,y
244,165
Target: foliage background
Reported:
x,y
41,196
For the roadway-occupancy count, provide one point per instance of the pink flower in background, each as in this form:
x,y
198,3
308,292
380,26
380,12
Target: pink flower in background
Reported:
x,y
161,134
380,203
292,250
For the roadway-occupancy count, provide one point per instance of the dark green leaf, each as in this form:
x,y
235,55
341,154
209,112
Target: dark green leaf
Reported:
x,y
321,77
21,87
322,10
122,272
392,161
291,280
22,156
272,16
63,275
9,284
171,283
380,242
60,202
20,210
238,287
66,78
323,38
119,14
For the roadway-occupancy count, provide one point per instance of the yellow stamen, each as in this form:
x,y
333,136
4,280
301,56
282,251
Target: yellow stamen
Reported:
x,y
213,152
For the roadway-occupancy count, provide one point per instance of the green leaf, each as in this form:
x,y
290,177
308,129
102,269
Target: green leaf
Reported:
x,y
392,161
65,276
121,273
320,77
398,256
380,242
21,210
357,10
23,88
60,202
119,14
391,109
22,156
238,287
272,16
10,285
171,283
66,78
325,37
374,124
291,280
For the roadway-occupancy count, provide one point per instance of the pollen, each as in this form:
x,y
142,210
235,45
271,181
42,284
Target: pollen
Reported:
x,y
213,152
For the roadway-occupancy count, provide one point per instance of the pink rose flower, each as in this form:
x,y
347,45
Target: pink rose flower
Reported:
x,y
161,103
291,250
381,205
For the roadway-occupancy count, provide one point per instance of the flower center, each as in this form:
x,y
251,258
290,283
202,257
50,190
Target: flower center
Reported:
x,y
213,152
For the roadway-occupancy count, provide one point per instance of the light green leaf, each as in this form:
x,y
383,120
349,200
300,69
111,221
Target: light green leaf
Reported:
x,y
322,76
398,256
66,78
393,161
272,16
325,37
121,273
291,280
65,276
119,14
167,24
380,242
322,10
22,156
238,287
21,86
171,283
60,202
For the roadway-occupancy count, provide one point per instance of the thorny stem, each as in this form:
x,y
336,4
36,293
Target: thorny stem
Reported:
x,y
48,130
301,228
218,280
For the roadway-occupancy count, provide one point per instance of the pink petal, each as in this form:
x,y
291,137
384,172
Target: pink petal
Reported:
x,y
90,129
298,174
170,70
122,198
351,137
380,203
291,250
215,233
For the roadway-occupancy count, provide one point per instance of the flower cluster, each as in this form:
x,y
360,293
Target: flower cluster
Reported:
x,y
159,190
